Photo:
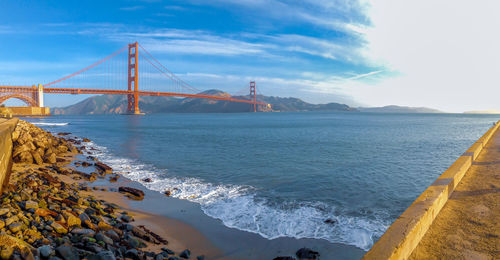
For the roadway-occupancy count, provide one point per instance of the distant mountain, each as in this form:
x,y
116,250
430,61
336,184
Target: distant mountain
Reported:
x,y
117,104
398,109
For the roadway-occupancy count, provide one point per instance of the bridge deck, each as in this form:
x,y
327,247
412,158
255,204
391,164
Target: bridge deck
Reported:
x,y
468,226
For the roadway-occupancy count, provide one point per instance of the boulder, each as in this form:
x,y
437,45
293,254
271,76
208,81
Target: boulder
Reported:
x,y
306,253
185,254
67,252
139,194
58,228
103,167
50,157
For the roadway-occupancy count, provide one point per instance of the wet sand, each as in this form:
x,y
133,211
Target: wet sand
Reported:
x,y
468,226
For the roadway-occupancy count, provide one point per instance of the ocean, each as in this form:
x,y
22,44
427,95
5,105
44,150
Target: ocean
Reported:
x,y
285,174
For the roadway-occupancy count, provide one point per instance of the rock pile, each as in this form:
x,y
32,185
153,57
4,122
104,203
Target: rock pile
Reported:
x,y
43,217
48,218
34,145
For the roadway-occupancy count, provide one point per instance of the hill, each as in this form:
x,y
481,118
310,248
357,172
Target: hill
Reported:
x,y
117,104
398,109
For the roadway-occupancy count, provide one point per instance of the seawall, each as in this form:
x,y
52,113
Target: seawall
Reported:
x,y
406,232
30,111
7,126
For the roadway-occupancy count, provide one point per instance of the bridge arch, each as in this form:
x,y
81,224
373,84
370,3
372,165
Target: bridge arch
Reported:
x,y
28,100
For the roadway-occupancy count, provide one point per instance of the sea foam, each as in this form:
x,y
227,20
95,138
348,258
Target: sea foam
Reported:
x,y
50,124
240,207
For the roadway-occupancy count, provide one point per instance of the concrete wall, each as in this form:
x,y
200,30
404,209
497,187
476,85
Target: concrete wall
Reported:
x,y
7,126
30,111
405,233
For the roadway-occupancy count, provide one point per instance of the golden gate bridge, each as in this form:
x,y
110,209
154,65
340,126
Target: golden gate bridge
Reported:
x,y
111,74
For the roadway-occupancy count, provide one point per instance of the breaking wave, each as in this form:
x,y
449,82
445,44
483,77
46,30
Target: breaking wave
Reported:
x,y
50,124
239,207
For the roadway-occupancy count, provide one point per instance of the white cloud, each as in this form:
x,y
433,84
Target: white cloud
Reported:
x,y
132,8
445,52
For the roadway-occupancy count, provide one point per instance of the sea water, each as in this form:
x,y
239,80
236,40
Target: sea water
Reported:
x,y
284,174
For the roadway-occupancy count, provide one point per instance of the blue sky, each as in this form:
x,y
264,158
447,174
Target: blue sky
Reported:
x,y
289,47
373,53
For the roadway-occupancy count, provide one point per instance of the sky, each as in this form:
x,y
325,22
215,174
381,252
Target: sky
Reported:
x,y
439,54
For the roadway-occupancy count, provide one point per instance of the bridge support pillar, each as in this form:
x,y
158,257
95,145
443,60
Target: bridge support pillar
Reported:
x,y
133,79
40,95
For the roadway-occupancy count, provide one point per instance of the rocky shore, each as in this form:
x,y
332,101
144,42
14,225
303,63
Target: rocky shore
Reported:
x,y
50,209
44,217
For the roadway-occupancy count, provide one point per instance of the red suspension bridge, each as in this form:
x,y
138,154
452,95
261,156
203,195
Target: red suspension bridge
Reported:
x,y
111,74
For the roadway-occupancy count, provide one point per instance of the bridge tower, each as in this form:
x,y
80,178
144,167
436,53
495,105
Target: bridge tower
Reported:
x,y
253,95
133,79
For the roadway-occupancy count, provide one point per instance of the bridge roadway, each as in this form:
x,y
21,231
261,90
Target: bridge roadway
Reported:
x,y
19,89
468,226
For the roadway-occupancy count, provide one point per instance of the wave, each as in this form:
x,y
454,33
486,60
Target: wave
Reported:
x,y
239,207
50,124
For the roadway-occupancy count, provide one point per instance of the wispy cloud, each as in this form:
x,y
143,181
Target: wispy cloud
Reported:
x,y
174,7
339,15
132,8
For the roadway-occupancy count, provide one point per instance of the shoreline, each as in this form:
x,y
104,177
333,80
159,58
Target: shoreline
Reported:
x,y
54,220
206,234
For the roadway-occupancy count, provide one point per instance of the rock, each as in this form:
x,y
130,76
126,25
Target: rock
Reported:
x,y
103,255
173,258
132,253
126,218
24,157
45,251
29,204
50,158
26,254
284,258
15,227
103,167
11,220
61,149
84,217
101,237
45,212
38,159
86,140
167,193
168,251
112,234
73,221
4,211
104,226
185,254
114,178
330,221
6,253
12,242
306,253
139,194
2,224
202,257
147,180
67,252
83,232
133,243
58,228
